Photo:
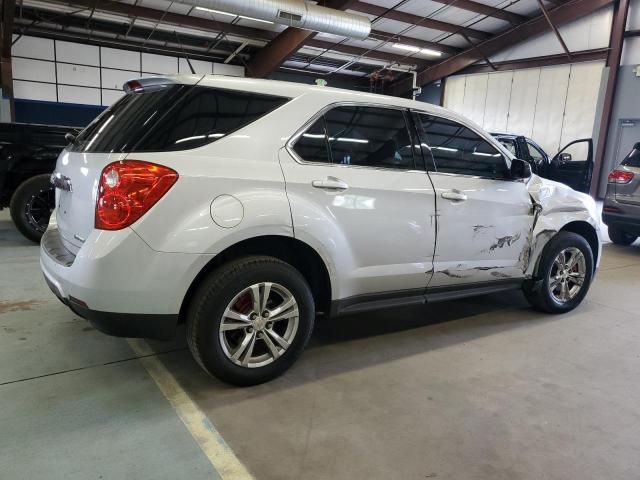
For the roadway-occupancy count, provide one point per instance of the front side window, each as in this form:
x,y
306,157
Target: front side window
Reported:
x,y
535,153
369,136
459,150
509,144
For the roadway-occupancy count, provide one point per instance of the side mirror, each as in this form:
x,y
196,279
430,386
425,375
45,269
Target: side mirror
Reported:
x,y
520,169
70,137
565,157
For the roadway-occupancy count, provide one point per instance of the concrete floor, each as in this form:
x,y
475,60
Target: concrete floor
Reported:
x,y
479,389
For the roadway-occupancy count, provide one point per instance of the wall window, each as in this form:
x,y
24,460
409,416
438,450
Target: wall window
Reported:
x,y
369,136
312,144
458,149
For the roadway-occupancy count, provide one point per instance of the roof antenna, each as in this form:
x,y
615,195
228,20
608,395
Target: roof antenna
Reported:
x,y
186,57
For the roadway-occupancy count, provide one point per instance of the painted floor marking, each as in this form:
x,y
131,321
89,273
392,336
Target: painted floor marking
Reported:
x,y
202,430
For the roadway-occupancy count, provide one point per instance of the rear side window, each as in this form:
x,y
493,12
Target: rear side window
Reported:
x,y
458,149
633,159
176,117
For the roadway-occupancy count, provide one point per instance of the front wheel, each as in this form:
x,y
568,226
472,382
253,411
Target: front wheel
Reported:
x,y
31,206
620,237
565,271
250,320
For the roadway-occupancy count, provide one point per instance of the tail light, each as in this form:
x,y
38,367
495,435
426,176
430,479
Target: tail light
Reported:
x,y
620,176
128,189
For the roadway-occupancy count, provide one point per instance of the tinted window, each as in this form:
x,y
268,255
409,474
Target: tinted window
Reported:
x,y
457,149
205,115
369,136
633,159
176,117
311,146
535,153
509,144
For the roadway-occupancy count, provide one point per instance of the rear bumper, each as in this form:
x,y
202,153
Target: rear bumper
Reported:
x,y
118,283
626,218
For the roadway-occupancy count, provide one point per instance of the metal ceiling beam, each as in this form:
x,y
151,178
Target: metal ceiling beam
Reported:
x,y
6,38
289,41
565,13
364,52
487,10
616,43
537,62
555,29
412,19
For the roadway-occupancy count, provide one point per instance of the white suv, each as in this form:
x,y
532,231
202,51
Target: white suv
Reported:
x,y
247,207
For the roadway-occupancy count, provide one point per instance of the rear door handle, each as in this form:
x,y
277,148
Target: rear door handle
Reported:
x,y
330,183
455,196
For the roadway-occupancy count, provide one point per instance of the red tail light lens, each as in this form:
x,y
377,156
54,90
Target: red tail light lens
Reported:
x,y
128,189
620,176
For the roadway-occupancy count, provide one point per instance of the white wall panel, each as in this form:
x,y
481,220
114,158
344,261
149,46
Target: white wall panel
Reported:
x,y
524,90
226,69
45,92
549,109
159,64
122,59
631,51
198,65
498,99
82,95
37,70
33,47
475,96
115,79
454,93
580,110
69,52
110,96
78,75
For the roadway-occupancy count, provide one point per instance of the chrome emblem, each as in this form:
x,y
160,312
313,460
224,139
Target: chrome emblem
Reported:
x,y
61,181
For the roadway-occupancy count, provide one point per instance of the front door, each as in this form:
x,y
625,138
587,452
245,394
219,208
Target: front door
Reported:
x,y
573,165
484,217
357,192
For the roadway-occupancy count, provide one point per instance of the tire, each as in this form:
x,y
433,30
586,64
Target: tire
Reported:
x,y
620,237
227,291
31,206
541,295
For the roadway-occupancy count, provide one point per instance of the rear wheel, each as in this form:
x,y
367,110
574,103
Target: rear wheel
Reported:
x,y
250,320
31,206
565,271
620,237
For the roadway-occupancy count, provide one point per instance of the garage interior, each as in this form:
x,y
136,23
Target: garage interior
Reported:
x,y
481,388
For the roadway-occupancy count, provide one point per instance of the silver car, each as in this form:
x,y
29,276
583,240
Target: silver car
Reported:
x,y
621,210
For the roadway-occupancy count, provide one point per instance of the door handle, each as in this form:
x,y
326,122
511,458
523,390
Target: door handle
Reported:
x,y
454,196
330,183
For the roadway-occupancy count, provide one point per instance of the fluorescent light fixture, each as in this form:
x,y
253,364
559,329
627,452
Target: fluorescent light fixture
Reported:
x,y
351,140
409,48
216,135
211,10
220,12
446,149
313,135
428,51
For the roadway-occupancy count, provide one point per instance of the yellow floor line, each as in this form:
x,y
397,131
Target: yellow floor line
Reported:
x,y
205,434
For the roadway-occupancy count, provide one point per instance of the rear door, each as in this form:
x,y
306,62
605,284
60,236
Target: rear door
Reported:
x,y
573,165
356,187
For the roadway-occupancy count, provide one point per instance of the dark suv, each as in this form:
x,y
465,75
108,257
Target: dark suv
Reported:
x,y
28,155
621,209
572,165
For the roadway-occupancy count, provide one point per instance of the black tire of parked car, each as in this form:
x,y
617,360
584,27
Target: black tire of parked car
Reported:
x,y
31,206
208,305
620,237
538,293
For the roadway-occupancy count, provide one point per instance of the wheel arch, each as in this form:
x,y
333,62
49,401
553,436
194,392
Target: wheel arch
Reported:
x,y
288,249
588,232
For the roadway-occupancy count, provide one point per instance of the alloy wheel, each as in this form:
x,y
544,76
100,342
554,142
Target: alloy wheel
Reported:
x,y
567,275
259,325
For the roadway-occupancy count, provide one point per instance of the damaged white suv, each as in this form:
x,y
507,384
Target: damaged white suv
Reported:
x,y
245,208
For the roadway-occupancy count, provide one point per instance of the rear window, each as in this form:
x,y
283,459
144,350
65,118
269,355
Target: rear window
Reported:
x,y
176,117
633,159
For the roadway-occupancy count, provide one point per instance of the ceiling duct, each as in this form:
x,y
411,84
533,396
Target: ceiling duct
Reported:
x,y
292,13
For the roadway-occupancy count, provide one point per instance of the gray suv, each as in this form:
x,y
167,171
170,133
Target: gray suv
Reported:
x,y
621,210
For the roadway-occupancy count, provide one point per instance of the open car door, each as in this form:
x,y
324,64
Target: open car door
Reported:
x,y
573,165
